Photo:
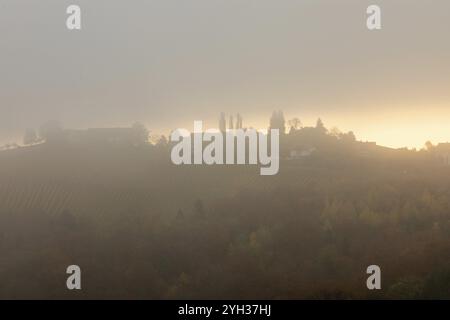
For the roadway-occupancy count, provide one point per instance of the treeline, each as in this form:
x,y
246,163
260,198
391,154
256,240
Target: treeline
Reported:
x,y
143,228
161,231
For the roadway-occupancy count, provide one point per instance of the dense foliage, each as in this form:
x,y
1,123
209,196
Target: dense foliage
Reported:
x,y
140,227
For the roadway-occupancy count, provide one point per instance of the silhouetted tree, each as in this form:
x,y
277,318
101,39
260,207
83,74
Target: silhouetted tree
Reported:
x,y
140,133
231,124
294,124
238,121
180,214
320,126
222,122
199,208
350,137
162,142
335,132
277,121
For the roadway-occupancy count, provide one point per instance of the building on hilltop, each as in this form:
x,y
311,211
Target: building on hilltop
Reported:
x,y
107,136
111,135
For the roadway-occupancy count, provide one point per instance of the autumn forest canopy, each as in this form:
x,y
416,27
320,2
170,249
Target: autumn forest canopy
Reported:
x,y
141,227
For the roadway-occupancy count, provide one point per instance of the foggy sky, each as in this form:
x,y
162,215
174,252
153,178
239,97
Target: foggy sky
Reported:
x,y
167,63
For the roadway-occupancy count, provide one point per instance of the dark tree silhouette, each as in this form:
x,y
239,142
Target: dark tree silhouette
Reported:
x,y
231,123
294,123
320,126
140,133
199,209
277,121
238,121
222,122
